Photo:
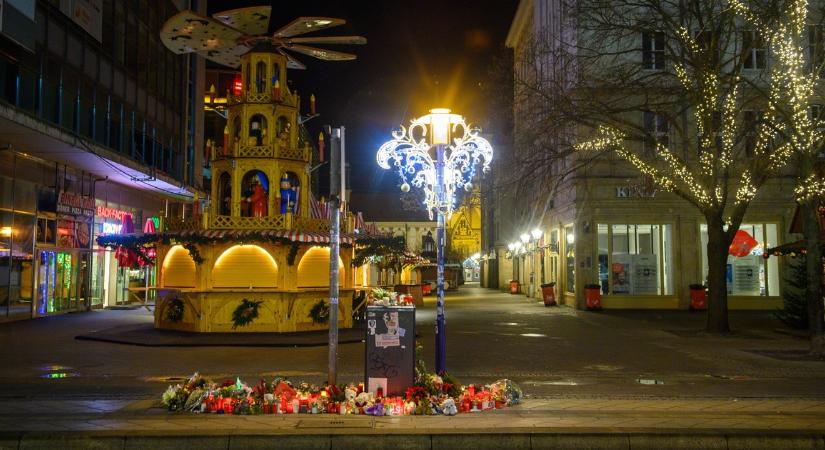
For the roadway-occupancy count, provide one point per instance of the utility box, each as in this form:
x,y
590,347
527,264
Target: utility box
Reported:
x,y
390,349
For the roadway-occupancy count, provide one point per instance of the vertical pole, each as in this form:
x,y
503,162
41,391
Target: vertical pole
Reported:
x,y
440,337
334,187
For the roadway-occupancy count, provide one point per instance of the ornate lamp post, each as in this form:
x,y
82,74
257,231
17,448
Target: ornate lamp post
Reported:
x,y
458,150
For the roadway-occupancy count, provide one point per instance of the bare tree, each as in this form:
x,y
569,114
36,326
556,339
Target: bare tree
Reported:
x,y
795,38
680,90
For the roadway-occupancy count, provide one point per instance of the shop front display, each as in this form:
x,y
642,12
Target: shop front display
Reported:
x,y
62,249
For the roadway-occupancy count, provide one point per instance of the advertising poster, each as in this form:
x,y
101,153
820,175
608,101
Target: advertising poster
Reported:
x,y
646,276
620,274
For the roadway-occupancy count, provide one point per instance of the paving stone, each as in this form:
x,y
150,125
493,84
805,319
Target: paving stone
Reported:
x,y
63,442
677,442
171,442
479,441
579,441
388,441
279,442
9,443
784,442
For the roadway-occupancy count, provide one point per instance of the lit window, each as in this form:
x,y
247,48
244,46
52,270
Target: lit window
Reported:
x,y
635,259
748,273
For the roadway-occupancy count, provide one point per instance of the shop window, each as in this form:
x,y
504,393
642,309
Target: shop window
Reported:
x,y
635,259
257,130
748,273
570,259
313,270
245,266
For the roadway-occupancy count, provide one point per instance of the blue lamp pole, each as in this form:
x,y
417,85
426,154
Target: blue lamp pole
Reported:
x,y
458,151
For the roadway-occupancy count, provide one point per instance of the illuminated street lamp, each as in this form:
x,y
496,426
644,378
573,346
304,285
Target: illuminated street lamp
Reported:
x,y
536,233
458,150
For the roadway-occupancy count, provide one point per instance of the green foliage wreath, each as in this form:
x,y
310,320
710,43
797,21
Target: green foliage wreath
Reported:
x,y
245,313
320,312
174,310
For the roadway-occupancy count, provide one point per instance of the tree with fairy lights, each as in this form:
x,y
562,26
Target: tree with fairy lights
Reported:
x,y
684,92
795,42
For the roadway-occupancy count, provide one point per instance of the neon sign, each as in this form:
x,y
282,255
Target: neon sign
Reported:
x,y
112,213
112,228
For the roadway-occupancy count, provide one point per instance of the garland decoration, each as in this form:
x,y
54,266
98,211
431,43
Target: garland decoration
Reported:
x,y
320,312
174,310
191,240
245,313
293,252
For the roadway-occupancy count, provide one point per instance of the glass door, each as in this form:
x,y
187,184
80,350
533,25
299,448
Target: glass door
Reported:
x,y
46,280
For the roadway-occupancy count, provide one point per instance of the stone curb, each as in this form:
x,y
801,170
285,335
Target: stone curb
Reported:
x,y
607,439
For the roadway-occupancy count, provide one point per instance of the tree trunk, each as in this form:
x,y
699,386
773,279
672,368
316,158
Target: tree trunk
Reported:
x,y
813,260
717,252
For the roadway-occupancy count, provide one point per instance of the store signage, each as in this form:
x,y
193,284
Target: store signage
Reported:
x,y
112,213
112,228
78,205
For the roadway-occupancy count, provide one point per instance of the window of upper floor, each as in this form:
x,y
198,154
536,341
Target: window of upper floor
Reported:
x,y
653,50
816,55
754,52
656,131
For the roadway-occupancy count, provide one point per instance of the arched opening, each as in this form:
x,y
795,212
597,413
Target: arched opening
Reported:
x,y
225,194
245,266
283,128
313,270
178,269
260,77
276,74
236,132
289,192
255,191
257,130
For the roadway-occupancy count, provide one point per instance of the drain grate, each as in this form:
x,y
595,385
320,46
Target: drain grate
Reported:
x,y
335,423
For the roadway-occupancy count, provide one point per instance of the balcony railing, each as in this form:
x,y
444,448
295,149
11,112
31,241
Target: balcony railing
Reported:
x,y
275,222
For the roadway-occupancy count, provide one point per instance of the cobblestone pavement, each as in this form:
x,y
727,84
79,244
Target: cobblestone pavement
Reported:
x,y
556,353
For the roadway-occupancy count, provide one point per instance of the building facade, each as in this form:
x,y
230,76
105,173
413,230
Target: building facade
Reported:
x,y
605,225
98,129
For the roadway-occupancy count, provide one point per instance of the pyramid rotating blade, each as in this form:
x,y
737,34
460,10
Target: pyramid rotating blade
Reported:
x,y
291,62
342,40
320,53
253,20
304,25
187,32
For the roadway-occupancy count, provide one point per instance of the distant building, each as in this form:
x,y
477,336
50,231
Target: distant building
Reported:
x,y
97,121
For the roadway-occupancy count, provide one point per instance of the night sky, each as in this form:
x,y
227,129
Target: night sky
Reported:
x,y
420,54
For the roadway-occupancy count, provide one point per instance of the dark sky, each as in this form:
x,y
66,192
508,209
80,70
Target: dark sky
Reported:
x,y
420,54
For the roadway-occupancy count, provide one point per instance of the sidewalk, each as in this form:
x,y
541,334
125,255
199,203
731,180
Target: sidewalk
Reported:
x,y
535,424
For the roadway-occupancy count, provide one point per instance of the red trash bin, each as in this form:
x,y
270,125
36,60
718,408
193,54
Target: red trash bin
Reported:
x,y
698,297
514,286
593,296
548,292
